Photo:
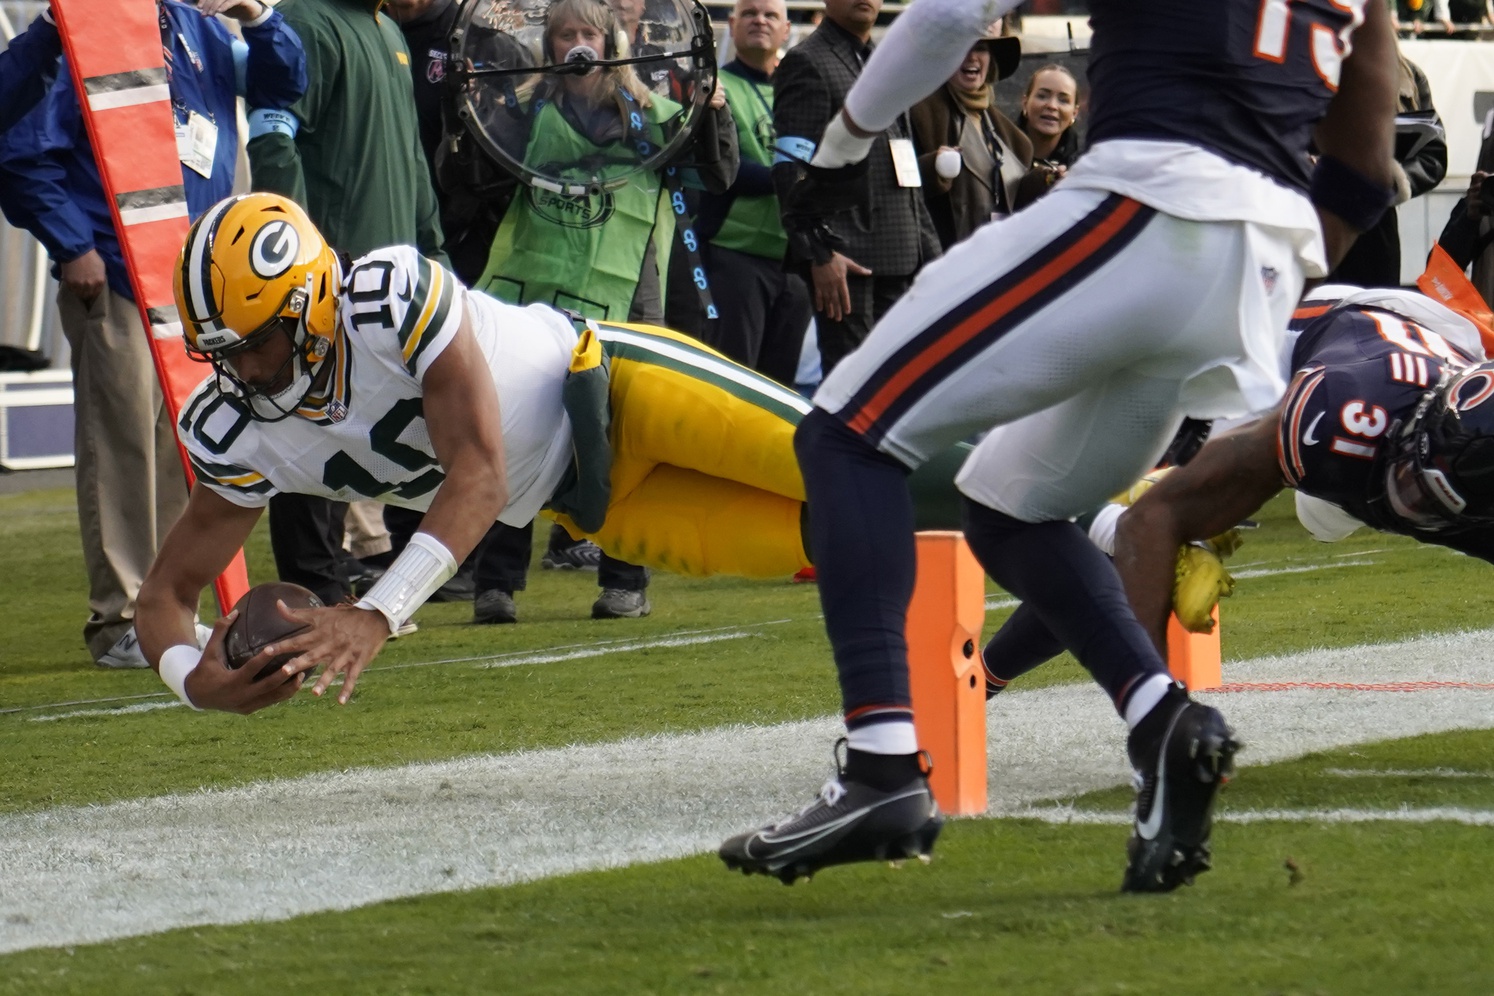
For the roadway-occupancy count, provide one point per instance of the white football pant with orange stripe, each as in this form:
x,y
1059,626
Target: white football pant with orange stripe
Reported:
x,y
1080,331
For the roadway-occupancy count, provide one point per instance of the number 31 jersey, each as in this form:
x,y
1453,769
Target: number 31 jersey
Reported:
x,y
365,435
1360,372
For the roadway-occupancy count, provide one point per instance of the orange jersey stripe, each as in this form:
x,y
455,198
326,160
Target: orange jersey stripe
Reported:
x,y
1311,311
993,312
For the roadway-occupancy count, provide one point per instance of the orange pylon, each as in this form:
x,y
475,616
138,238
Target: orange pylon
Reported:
x,y
948,685
1194,658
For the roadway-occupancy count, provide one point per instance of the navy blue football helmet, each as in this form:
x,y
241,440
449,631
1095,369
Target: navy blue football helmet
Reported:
x,y
1440,468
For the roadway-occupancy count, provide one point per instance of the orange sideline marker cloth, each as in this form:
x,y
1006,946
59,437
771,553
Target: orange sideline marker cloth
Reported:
x,y
114,48
1194,658
1443,280
949,690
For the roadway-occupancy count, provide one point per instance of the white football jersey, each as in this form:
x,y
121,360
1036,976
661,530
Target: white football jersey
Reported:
x,y
366,436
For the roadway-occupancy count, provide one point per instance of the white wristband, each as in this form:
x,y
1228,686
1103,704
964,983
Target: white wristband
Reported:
x,y
414,576
838,147
176,663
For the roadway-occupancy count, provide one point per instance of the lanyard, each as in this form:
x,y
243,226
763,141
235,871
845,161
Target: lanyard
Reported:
x,y
178,106
684,225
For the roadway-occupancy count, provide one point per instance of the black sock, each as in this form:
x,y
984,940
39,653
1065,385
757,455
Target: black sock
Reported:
x,y
882,771
1072,589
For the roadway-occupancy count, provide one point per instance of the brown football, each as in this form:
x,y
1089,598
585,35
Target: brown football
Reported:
x,y
260,623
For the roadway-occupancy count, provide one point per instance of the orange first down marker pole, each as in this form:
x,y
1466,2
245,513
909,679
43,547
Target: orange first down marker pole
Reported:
x,y
948,685
1194,658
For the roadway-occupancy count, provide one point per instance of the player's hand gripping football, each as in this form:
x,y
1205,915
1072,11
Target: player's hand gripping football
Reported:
x,y
212,684
341,637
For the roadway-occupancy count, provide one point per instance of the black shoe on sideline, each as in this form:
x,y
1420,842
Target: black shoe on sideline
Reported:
x,y
494,606
621,603
583,555
848,821
1182,752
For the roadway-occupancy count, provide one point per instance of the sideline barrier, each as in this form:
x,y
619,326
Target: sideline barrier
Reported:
x,y
114,50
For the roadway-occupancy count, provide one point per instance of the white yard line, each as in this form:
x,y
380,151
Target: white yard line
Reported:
x,y
1434,814
1405,773
1244,573
346,839
129,710
550,655
1268,572
582,652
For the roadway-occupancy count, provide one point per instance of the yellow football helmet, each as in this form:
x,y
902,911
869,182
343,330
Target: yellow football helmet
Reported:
x,y
252,266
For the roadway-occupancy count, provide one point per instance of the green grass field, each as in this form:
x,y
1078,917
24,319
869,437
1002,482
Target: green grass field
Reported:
x,y
1021,906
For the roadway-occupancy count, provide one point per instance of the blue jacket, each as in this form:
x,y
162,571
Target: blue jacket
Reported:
x,y
27,67
52,186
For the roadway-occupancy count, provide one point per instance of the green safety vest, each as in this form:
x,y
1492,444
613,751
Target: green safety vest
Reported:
x,y
583,252
752,224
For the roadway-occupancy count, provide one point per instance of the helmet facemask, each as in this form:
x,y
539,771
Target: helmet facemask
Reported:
x,y
1440,471
307,353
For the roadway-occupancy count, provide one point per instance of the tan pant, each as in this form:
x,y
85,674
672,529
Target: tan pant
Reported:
x,y
366,533
131,486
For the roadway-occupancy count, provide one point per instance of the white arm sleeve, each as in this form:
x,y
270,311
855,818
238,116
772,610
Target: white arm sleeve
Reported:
x,y
922,49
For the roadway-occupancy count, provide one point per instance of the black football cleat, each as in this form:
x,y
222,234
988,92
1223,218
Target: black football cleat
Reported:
x,y
1182,752
849,821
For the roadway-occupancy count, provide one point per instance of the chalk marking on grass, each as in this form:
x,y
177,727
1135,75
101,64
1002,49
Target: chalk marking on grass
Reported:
x,y
621,645
1267,572
1064,815
1350,686
84,874
571,655
1404,773
1238,575
119,711
490,660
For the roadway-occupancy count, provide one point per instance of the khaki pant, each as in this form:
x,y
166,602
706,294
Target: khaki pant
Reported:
x,y
131,486
366,534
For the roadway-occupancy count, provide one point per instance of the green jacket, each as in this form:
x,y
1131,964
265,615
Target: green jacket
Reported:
x,y
355,162
752,224
581,252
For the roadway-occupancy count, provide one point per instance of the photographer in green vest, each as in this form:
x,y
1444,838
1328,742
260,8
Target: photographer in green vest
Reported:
x,y
600,252
764,311
594,232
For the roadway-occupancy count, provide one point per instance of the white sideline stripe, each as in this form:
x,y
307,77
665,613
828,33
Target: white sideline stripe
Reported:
x,y
540,658
346,839
1405,773
1308,569
492,660
118,711
1265,572
1435,814
571,655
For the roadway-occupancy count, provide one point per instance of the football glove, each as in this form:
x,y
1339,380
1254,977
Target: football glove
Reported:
x,y
1199,582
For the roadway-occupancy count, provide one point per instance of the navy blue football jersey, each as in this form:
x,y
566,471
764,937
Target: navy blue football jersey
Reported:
x,y
1245,79
1360,373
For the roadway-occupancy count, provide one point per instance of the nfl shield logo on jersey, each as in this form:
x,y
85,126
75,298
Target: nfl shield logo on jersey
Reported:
x,y
336,410
1268,278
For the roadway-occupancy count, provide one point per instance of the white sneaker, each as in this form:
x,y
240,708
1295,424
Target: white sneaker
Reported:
x,y
125,654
